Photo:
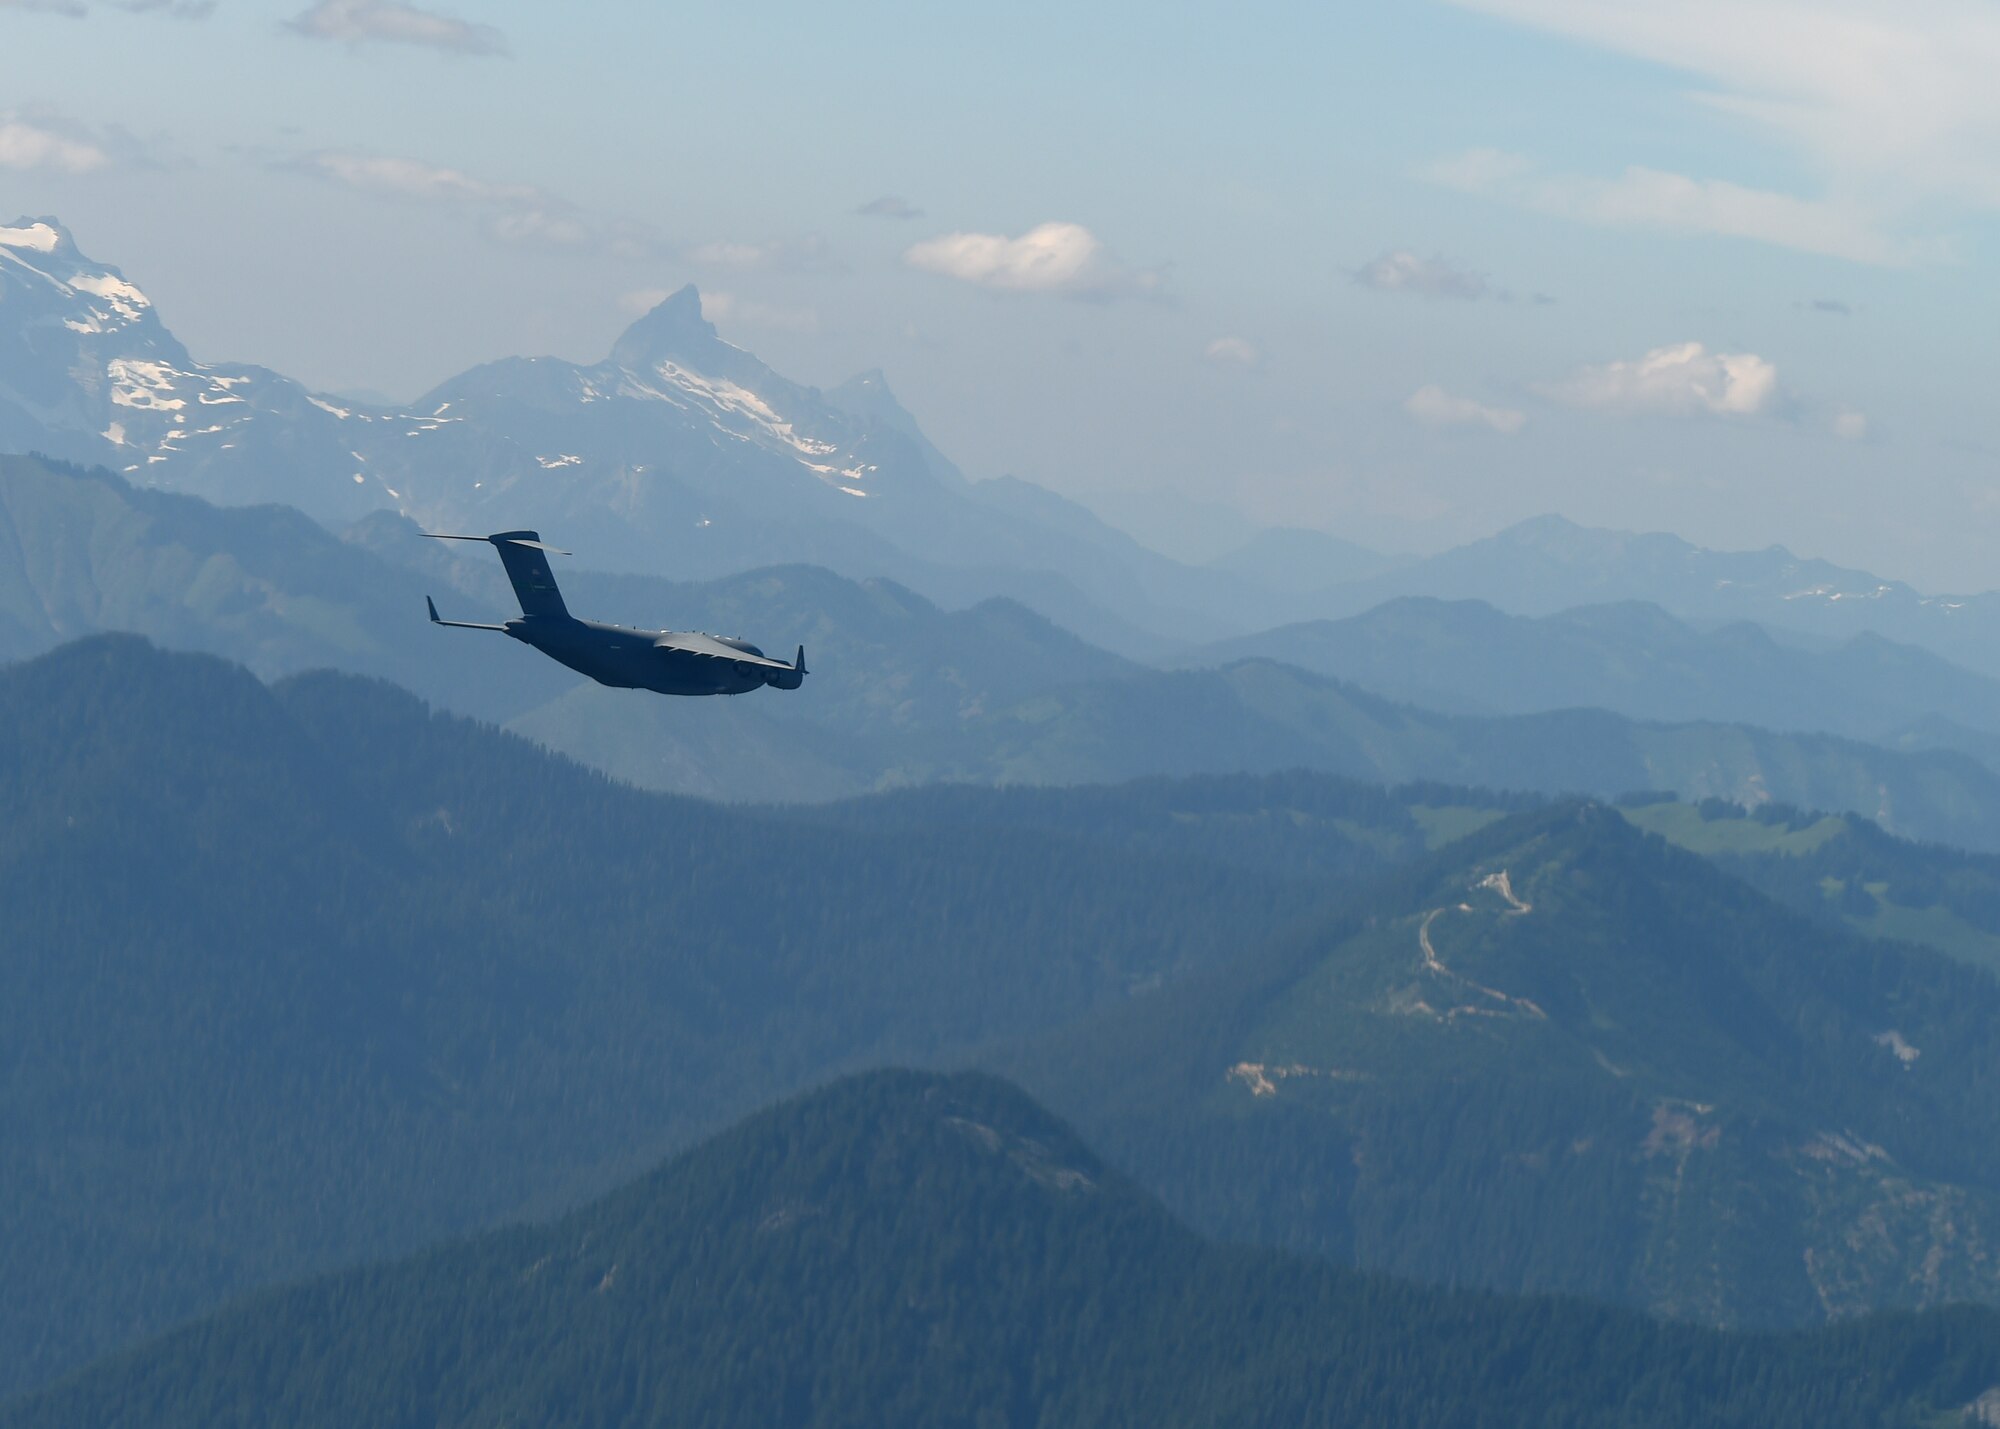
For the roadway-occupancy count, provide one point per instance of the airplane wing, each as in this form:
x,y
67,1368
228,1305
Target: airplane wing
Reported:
x,y
708,647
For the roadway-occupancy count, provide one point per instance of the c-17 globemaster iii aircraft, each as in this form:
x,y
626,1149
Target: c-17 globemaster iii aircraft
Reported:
x,y
670,662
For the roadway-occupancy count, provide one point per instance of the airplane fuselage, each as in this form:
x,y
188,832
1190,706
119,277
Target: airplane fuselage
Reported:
x,y
669,662
628,659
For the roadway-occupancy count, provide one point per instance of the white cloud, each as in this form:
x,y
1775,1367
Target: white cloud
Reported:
x,y
387,22
1893,100
1683,380
28,145
1050,258
741,312
1651,198
1404,272
516,213
1232,352
1435,407
1851,426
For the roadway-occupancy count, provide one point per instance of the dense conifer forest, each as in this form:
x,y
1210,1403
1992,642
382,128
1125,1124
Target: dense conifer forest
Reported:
x,y
903,1249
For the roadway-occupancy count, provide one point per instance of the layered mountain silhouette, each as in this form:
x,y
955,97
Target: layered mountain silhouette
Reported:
x,y
904,692
1633,658
1549,564
904,1249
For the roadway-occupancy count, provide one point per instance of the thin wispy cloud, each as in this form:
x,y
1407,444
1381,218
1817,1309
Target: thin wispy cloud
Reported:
x,y
1402,271
888,206
32,143
1891,101
514,213
1061,258
359,22
1684,380
808,254
172,9
1435,407
77,9
1651,198
1232,352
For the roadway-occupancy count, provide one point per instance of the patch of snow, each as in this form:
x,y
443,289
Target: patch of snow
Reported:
x,y
127,301
141,384
566,459
38,236
92,325
115,434
853,491
227,382
359,479
441,407
208,401
340,412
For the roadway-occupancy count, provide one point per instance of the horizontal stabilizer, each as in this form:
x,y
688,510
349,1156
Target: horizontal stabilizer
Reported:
x,y
456,624
510,538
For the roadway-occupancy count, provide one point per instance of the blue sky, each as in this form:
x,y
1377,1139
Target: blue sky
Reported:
x,y
1405,272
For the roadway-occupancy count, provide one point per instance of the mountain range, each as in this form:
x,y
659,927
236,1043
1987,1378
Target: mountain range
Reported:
x,y
1633,658
678,453
903,693
1549,564
681,454
905,1249
335,939
304,973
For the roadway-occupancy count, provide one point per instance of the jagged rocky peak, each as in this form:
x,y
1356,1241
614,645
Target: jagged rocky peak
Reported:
x,y
41,264
674,330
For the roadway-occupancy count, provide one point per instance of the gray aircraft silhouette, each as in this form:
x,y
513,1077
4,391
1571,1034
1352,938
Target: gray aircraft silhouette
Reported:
x,y
669,662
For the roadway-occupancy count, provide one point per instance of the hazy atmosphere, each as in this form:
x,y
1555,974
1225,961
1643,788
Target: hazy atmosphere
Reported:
x,y
1058,717
1404,273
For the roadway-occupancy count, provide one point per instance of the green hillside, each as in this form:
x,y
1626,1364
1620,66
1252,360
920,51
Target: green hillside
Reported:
x,y
1562,1055
305,973
1845,871
917,1250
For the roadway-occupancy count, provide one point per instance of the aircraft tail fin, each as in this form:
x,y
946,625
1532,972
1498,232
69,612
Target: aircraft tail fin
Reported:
x,y
526,557
791,679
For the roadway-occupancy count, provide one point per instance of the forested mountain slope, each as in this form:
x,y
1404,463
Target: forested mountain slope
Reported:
x,y
1562,1055
303,973
916,1250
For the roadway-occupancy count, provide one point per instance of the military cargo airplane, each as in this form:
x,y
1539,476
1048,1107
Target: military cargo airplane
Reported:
x,y
669,662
